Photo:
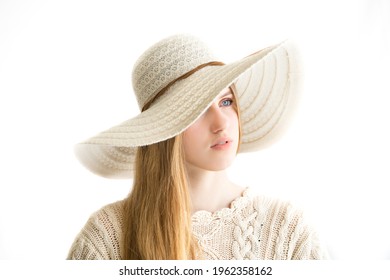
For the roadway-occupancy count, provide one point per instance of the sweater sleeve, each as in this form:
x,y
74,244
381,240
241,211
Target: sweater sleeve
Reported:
x,y
100,238
303,240
308,245
292,235
84,249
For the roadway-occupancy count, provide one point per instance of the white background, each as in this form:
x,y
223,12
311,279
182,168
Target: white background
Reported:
x,y
65,71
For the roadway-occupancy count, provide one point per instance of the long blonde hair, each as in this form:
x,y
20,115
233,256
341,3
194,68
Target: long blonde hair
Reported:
x,y
157,223
158,211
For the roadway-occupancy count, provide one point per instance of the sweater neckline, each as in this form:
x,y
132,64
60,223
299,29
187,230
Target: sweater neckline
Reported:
x,y
237,204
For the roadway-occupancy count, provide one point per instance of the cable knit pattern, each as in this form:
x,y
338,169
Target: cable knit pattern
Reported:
x,y
254,227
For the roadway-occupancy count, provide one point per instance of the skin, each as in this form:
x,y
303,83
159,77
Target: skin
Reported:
x,y
206,163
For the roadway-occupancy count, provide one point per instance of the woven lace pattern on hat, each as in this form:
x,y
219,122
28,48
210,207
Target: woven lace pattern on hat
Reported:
x,y
165,62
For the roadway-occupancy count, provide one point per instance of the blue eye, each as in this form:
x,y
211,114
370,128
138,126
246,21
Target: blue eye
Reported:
x,y
226,102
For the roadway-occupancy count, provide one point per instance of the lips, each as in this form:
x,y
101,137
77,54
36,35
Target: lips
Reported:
x,y
221,142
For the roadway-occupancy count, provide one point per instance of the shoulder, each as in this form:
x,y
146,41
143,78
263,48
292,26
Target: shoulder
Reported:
x,y
101,236
271,206
110,214
281,215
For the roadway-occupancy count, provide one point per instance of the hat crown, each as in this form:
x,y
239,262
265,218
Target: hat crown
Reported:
x,y
166,61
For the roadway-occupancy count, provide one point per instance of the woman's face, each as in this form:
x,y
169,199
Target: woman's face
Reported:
x,y
211,143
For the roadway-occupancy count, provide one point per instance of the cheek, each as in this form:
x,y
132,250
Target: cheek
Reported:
x,y
191,138
189,134
233,119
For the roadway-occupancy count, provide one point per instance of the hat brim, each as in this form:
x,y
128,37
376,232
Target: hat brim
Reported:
x,y
264,83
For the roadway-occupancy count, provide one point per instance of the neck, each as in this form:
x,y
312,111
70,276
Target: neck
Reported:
x,y
211,190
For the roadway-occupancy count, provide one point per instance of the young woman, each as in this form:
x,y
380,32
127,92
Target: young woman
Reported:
x,y
197,114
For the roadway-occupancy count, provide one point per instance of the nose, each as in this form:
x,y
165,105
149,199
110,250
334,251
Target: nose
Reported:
x,y
217,119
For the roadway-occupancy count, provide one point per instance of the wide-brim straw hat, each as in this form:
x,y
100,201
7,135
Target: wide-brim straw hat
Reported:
x,y
266,84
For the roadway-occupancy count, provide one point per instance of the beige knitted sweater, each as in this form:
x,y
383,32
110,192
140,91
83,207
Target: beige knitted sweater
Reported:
x,y
254,227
